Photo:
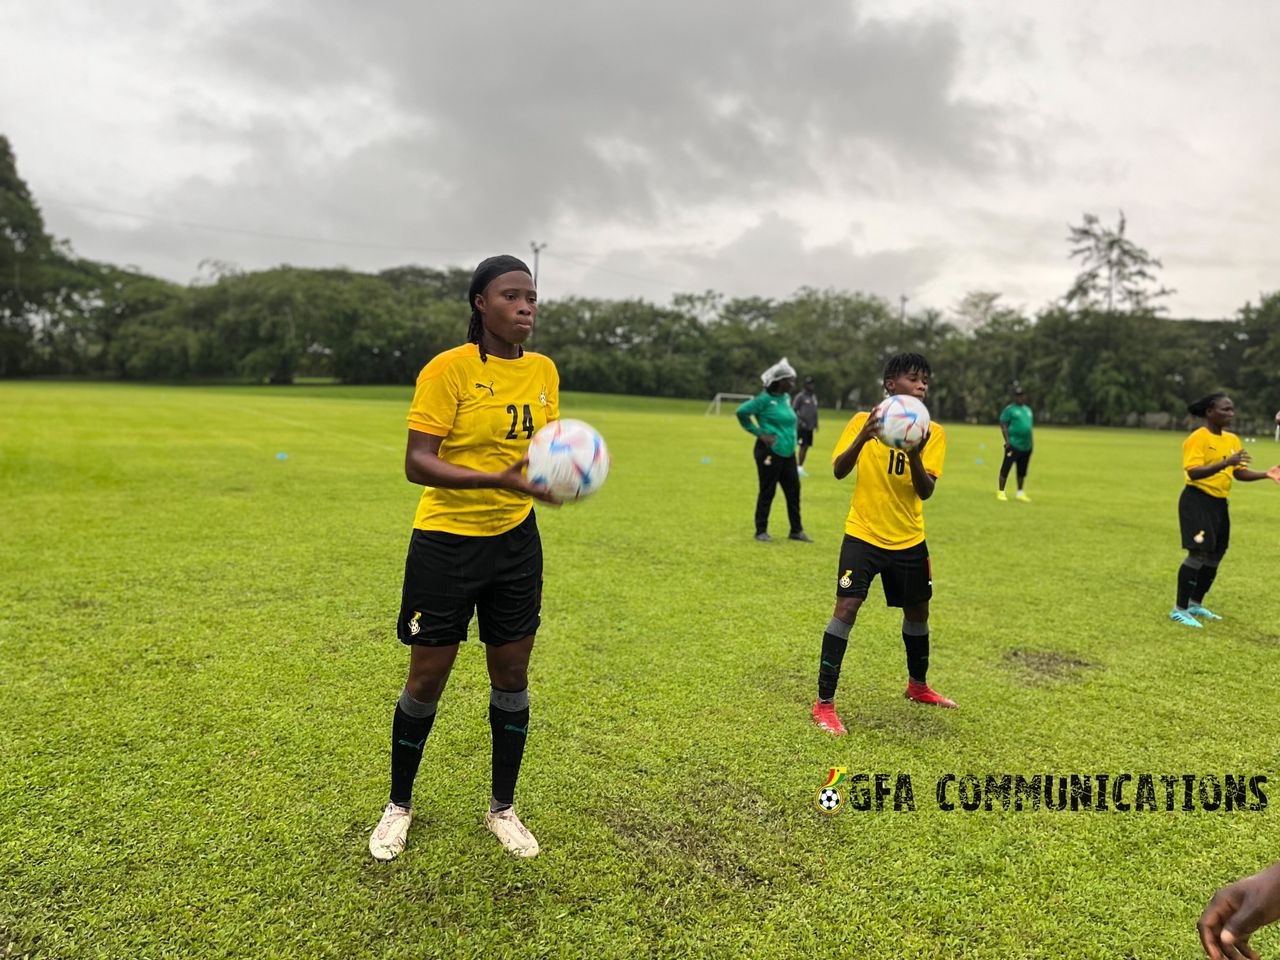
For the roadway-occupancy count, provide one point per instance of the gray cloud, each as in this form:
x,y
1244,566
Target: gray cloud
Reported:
x,y
918,146
772,259
523,116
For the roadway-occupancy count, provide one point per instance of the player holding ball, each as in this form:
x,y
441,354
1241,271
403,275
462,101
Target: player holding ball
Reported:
x,y
884,536
475,546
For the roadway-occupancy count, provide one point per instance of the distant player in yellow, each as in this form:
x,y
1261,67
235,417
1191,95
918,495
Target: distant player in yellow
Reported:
x,y
475,544
884,536
1211,457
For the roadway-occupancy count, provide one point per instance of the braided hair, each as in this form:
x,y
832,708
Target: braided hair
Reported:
x,y
485,273
901,363
1204,404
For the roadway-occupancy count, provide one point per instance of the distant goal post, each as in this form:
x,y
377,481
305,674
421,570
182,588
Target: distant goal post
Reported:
x,y
713,409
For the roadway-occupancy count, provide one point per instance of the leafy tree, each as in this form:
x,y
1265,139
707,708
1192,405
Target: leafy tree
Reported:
x,y
1115,270
26,250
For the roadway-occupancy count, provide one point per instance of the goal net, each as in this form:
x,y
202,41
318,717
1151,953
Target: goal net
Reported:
x,y
734,398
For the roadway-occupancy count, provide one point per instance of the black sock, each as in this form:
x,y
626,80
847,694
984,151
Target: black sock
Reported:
x,y
1187,577
408,737
1203,582
917,655
509,724
833,648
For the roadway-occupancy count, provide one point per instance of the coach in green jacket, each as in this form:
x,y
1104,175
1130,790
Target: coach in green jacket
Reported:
x,y
771,420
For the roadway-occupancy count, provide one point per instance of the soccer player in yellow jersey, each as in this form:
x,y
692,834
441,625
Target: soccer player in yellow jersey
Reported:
x,y
475,544
884,536
1211,457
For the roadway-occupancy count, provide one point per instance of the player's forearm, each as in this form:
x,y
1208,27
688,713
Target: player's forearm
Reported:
x,y
428,470
1245,475
920,478
843,464
1207,470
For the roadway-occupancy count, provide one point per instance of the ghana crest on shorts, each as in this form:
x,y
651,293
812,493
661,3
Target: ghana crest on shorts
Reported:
x,y
886,510
486,412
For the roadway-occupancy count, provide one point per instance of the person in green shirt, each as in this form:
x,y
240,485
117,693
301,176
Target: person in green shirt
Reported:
x,y
770,418
1015,424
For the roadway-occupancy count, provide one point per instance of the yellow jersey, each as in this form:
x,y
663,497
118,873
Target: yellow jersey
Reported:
x,y
886,510
486,413
1204,447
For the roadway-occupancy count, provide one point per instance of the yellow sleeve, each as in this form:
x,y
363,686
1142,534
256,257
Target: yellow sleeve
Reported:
x,y
1193,451
435,399
935,452
850,431
553,392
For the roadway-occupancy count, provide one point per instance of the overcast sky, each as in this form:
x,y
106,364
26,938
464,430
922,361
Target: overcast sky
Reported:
x,y
917,147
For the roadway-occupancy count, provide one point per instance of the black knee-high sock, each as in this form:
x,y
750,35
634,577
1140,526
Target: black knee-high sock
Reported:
x,y
834,643
509,723
408,737
917,645
1203,582
1187,584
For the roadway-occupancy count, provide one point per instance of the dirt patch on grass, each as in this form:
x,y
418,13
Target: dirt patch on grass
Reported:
x,y
1036,668
701,836
1265,639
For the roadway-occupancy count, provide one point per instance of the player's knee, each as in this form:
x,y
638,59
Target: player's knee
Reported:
x,y
1195,559
919,614
424,687
847,608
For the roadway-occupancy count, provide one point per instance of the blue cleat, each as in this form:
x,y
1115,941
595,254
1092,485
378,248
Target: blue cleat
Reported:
x,y
1203,612
1185,618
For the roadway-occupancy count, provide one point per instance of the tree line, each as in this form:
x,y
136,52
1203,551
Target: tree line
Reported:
x,y
1102,354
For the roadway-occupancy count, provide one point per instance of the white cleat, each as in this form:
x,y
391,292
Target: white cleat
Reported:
x,y
391,833
515,836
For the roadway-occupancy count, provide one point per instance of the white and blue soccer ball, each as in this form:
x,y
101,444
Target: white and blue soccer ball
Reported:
x,y
903,422
569,458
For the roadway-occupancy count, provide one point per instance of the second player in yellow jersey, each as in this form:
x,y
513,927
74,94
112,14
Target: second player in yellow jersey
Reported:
x,y
1212,458
886,509
884,537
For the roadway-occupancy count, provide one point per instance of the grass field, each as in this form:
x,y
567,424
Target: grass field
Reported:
x,y
198,666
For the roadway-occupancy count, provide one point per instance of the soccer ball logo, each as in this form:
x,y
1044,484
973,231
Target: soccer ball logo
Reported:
x,y
829,800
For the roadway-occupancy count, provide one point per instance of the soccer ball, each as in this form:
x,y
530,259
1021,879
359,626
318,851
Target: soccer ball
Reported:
x,y
829,800
569,458
903,422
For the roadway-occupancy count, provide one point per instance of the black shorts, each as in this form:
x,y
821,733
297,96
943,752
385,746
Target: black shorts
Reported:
x,y
447,577
1204,516
1013,457
906,575
804,438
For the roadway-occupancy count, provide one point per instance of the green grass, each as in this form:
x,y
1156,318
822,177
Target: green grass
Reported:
x,y
198,666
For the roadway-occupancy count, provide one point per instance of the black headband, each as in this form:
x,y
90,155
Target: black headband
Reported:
x,y
489,270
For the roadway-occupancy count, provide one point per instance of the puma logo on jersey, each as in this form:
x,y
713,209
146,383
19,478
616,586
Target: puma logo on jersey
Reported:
x,y
489,387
